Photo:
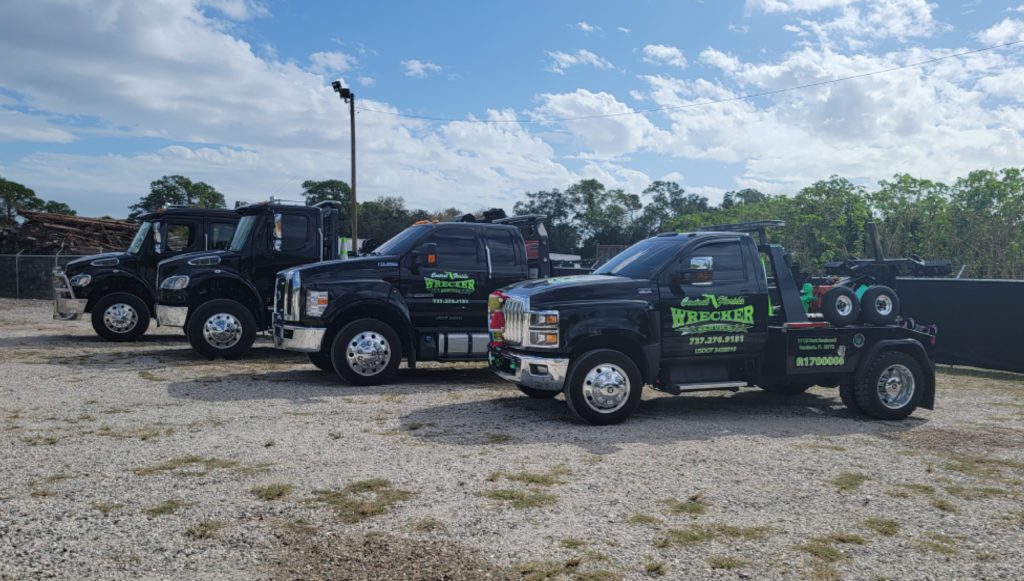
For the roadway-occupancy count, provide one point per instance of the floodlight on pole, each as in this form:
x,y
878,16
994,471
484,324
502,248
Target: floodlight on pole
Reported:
x,y
349,97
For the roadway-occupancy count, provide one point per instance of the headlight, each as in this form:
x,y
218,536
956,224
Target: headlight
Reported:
x,y
81,279
177,282
316,303
543,328
105,262
544,338
205,261
544,319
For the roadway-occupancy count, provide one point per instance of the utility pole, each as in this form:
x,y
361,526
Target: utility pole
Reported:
x,y
349,97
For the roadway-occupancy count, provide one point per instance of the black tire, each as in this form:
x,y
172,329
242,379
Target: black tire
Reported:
x,y
840,306
879,305
128,318
849,399
537,393
585,406
785,387
321,360
233,329
367,334
867,390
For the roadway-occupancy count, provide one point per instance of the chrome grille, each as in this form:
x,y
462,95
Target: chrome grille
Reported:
x,y
280,294
516,321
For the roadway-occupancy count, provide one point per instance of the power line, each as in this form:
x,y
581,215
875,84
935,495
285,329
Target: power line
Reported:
x,y
742,97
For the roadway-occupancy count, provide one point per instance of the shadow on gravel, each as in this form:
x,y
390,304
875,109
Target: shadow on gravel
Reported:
x,y
65,340
310,385
125,356
521,420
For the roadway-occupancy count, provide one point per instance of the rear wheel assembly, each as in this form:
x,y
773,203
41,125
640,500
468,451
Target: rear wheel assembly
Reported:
x,y
840,306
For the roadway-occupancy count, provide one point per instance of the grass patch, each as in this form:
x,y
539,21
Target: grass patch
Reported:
x,y
521,498
111,411
944,505
205,465
849,481
726,562
391,398
981,493
549,478
334,435
546,570
983,467
823,446
41,440
640,518
427,525
939,543
105,507
498,438
883,526
1015,518
150,376
655,568
43,493
170,506
696,534
272,491
824,572
204,530
824,548
361,499
571,543
145,433
695,505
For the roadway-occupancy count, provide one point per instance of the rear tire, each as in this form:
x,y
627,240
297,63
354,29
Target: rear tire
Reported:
x,y
221,328
840,306
892,387
604,387
785,387
321,360
849,398
120,316
880,305
537,393
366,352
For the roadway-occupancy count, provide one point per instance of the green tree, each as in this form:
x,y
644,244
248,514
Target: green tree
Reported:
x,y
668,202
177,190
15,197
321,191
55,207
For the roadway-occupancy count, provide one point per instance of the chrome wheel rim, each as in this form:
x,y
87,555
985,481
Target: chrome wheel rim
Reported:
x,y
606,388
222,331
883,305
368,353
844,306
120,318
896,386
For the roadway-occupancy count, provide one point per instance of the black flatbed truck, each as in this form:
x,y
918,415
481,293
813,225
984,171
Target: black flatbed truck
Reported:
x,y
698,311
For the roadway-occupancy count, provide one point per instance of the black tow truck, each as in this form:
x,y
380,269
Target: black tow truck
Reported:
x,y
422,295
118,288
224,298
702,311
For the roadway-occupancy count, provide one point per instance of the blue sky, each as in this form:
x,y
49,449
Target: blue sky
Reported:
x,y
97,98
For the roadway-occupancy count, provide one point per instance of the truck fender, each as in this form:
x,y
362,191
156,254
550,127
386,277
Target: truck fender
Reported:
x,y
369,298
911,347
117,280
205,280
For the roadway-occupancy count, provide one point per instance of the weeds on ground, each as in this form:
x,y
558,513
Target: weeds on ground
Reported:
x,y
571,543
334,435
1015,518
824,547
38,440
169,506
938,543
639,518
498,438
695,505
655,568
204,530
549,478
570,568
982,467
146,432
521,498
206,466
361,499
944,505
726,562
700,533
427,525
272,491
883,526
849,481
105,507
151,376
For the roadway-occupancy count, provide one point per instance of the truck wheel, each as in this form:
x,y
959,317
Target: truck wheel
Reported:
x,y
891,388
849,398
536,393
880,305
366,352
840,306
120,317
321,359
785,387
604,387
221,328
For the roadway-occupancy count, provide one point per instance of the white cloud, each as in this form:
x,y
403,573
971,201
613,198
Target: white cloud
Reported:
x,y
238,9
1009,30
562,60
636,95
624,30
17,126
856,25
366,81
609,128
419,69
331,62
587,27
719,59
661,54
770,6
739,29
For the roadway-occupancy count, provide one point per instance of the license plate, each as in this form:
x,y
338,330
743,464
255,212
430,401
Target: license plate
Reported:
x,y
506,363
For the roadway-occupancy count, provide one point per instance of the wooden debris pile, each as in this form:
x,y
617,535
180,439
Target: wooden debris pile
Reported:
x,y
45,233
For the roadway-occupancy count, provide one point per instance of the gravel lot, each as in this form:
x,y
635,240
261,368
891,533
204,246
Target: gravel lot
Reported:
x,y
126,461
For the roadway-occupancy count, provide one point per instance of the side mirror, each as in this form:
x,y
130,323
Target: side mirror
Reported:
x,y
278,233
701,271
426,255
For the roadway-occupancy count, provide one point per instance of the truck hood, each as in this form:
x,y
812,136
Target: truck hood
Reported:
x,y
375,267
79,265
179,264
586,287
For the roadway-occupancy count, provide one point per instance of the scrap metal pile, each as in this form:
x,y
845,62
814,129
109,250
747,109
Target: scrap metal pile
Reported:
x,y
46,233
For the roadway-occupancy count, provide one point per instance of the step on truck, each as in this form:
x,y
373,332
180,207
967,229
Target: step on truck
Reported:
x,y
420,296
704,311
118,289
223,299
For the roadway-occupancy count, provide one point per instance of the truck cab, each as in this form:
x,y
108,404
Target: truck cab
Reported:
x,y
223,299
698,311
118,289
420,296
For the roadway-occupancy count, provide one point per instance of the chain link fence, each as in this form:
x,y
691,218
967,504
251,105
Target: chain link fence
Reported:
x,y
27,276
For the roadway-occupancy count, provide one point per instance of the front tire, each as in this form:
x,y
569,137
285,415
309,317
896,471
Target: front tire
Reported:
x,y
537,393
848,397
321,360
892,387
366,352
604,387
221,328
120,317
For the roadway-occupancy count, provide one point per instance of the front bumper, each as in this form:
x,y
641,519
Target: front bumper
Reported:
x,y
65,309
168,316
296,338
544,373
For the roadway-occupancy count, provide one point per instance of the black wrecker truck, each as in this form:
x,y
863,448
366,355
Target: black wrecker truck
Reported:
x,y
224,298
421,296
702,311
118,288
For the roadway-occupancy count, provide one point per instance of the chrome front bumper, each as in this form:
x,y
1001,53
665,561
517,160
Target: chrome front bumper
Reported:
x,y
545,373
295,338
65,309
167,316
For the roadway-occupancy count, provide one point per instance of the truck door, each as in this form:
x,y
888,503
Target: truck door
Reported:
x,y
219,233
712,303
176,235
453,291
293,241
506,261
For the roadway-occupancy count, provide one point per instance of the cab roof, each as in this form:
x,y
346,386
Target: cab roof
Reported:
x,y
190,211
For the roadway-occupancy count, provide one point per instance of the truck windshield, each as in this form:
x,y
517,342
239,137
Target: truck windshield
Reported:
x,y
140,237
641,260
245,227
400,243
